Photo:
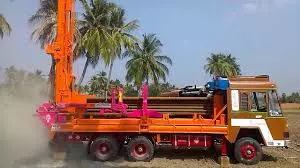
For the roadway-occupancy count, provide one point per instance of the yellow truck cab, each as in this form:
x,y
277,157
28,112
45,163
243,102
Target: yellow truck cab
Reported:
x,y
254,111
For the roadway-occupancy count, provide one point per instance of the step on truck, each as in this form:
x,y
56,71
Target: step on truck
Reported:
x,y
238,116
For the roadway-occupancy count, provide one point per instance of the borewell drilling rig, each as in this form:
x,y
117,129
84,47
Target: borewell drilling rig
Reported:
x,y
241,115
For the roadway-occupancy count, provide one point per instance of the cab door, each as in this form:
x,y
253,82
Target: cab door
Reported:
x,y
247,110
275,120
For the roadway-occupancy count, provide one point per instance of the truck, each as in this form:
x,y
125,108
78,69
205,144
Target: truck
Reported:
x,y
236,117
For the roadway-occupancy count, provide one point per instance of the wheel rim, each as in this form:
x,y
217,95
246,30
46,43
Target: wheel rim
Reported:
x,y
103,148
248,151
139,150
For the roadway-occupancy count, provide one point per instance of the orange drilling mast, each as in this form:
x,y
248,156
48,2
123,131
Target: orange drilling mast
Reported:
x,y
241,115
62,51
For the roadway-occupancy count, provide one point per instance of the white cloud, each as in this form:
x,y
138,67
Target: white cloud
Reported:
x,y
264,5
257,8
249,7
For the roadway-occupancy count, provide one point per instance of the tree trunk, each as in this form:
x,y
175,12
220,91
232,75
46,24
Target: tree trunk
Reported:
x,y
109,76
83,72
139,92
52,80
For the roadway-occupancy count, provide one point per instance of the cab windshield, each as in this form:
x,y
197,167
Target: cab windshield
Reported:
x,y
274,107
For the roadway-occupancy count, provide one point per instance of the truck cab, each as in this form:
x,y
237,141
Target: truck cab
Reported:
x,y
254,111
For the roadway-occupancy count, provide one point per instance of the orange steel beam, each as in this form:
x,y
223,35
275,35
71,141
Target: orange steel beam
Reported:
x,y
152,126
219,113
61,51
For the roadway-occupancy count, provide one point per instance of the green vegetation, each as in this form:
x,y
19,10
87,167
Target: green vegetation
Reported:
x,y
105,33
94,33
120,37
5,28
18,82
222,65
97,83
292,98
44,21
157,89
145,63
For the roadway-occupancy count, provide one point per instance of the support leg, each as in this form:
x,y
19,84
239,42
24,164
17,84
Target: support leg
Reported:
x,y
224,148
58,147
224,159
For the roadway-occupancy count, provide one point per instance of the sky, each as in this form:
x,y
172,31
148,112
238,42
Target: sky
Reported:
x,y
263,35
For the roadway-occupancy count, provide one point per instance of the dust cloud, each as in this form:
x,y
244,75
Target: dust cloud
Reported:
x,y
22,134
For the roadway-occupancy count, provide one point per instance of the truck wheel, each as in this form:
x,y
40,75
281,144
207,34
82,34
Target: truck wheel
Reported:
x,y
104,148
247,151
140,148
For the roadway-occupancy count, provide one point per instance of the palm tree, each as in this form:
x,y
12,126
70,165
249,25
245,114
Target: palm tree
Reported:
x,y
157,89
97,84
94,35
5,28
235,64
222,65
129,90
120,37
145,63
45,23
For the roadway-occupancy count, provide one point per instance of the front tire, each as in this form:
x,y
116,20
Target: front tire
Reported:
x,y
247,151
104,148
140,148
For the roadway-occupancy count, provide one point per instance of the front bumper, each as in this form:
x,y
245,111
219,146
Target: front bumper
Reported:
x,y
279,143
287,143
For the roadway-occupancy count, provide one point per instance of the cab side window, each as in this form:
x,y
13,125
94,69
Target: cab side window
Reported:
x,y
258,102
244,102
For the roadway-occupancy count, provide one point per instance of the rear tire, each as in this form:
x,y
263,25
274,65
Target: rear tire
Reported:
x,y
140,148
104,148
247,151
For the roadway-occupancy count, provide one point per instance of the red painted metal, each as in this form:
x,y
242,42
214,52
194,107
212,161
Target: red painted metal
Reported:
x,y
248,151
139,150
114,107
48,114
145,111
78,137
224,147
121,107
191,141
103,148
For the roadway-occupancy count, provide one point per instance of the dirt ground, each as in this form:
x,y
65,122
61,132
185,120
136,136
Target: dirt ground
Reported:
x,y
291,106
24,145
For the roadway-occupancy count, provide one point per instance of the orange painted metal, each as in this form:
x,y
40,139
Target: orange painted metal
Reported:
x,y
150,126
219,113
62,51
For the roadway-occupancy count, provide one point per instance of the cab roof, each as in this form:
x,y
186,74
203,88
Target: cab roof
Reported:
x,y
251,82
